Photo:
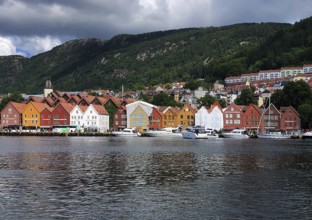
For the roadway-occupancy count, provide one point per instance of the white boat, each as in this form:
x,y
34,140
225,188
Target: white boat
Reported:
x,y
174,132
274,135
198,133
307,135
126,132
236,133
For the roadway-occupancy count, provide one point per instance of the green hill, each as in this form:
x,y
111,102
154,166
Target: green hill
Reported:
x,y
159,57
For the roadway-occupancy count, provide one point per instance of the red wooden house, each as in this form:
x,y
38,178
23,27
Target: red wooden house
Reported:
x,y
233,117
271,118
252,117
11,115
120,118
46,118
290,119
155,119
61,113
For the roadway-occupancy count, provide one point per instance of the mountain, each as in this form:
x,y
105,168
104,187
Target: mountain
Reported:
x,y
158,57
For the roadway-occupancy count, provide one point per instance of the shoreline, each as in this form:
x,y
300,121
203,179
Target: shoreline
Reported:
x,y
70,134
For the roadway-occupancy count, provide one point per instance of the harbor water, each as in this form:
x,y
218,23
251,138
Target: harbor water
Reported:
x,y
154,178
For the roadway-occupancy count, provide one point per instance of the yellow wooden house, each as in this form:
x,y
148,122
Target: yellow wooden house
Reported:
x,y
31,114
170,117
186,116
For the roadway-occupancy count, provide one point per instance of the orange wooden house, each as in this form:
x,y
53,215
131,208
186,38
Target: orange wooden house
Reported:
x,y
186,116
31,116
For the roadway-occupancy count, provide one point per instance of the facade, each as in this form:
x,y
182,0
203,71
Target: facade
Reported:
x,y
11,115
202,117
138,113
76,116
61,114
232,117
170,117
215,118
96,118
252,117
120,118
290,120
271,118
186,116
200,92
31,116
46,118
291,71
155,119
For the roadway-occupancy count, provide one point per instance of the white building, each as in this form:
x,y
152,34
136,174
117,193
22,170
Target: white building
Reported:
x,y
202,117
76,116
212,118
96,118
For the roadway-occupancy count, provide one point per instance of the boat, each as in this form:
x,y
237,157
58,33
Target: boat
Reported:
x,y
126,132
274,135
236,133
164,132
307,135
198,132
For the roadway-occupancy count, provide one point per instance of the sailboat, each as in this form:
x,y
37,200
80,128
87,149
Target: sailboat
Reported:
x,y
269,132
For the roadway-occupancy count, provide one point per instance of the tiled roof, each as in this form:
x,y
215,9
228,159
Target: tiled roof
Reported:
x,y
100,109
18,106
40,106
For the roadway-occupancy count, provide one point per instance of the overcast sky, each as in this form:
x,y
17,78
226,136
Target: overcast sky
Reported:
x,y
29,27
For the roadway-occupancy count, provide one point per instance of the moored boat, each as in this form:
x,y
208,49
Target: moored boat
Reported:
x,y
274,135
198,132
126,132
307,135
236,133
164,132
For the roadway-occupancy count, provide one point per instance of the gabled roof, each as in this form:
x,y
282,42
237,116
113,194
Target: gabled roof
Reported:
x,y
215,105
100,109
100,99
35,99
39,106
18,106
284,109
67,106
88,99
83,108
75,98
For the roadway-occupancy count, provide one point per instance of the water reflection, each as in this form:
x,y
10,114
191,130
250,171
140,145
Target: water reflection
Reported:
x,y
118,178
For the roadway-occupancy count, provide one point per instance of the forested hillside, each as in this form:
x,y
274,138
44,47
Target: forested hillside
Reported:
x,y
159,57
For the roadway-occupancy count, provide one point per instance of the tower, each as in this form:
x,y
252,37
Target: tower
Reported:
x,y
47,88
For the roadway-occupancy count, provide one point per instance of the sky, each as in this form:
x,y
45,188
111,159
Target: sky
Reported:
x,y
30,27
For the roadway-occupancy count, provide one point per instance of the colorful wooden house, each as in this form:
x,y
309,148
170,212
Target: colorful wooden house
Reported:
x,y
61,114
96,118
46,118
252,117
215,119
120,118
138,115
232,117
170,115
271,118
155,119
202,117
290,119
186,116
11,115
31,116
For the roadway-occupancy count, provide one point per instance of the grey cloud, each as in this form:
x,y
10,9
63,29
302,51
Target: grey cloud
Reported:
x,y
69,19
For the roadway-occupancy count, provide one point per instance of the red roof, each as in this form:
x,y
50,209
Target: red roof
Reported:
x,y
18,106
100,109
